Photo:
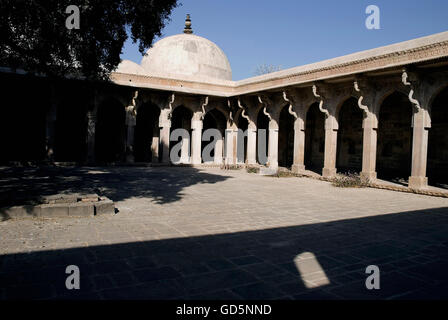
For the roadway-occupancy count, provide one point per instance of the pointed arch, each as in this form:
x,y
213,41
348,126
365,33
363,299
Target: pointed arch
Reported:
x,y
437,170
394,151
350,135
286,137
314,138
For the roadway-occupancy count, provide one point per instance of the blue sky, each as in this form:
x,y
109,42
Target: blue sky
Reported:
x,y
290,33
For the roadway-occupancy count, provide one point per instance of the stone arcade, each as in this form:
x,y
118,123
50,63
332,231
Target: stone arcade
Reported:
x,y
381,112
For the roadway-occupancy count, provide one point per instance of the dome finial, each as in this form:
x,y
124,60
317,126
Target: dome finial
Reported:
x,y
188,29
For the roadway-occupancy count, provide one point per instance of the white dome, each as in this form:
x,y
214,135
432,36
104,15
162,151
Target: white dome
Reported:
x,y
128,66
187,55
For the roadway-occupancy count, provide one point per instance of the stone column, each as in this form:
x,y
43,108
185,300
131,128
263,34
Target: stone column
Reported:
x,y
421,121
331,138
130,129
196,140
299,146
369,144
165,130
91,127
230,141
50,129
252,144
219,146
185,151
155,145
273,145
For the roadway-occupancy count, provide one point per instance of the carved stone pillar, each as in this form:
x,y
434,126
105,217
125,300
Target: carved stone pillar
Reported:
x,y
185,146
273,145
251,144
50,129
130,129
331,138
231,144
418,178
196,139
155,145
421,122
219,146
369,145
165,128
91,127
299,146
331,130
366,97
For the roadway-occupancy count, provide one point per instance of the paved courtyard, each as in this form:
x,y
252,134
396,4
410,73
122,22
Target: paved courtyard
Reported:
x,y
188,233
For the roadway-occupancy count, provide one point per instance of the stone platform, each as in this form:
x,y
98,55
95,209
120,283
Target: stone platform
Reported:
x,y
62,205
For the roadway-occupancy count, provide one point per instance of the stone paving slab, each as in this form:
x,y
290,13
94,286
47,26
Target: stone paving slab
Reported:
x,y
191,233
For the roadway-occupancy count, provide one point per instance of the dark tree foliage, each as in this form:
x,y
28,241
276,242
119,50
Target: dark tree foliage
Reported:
x,y
34,37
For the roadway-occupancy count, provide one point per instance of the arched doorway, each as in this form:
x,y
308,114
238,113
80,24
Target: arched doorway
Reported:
x,y
181,119
349,144
146,133
437,171
262,137
286,138
394,151
214,119
110,131
314,139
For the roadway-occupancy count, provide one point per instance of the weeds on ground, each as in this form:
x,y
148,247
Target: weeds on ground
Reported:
x,y
349,180
284,174
231,167
252,170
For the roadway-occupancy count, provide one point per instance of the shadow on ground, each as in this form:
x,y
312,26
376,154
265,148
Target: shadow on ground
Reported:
x,y
410,248
24,185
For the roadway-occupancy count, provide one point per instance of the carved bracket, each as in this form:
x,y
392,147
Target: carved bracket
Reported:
x,y
264,103
243,113
363,107
131,110
321,103
170,105
406,82
203,105
230,111
291,112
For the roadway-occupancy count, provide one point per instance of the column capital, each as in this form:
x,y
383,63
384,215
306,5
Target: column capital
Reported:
x,y
273,125
370,121
299,124
91,114
331,123
164,118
